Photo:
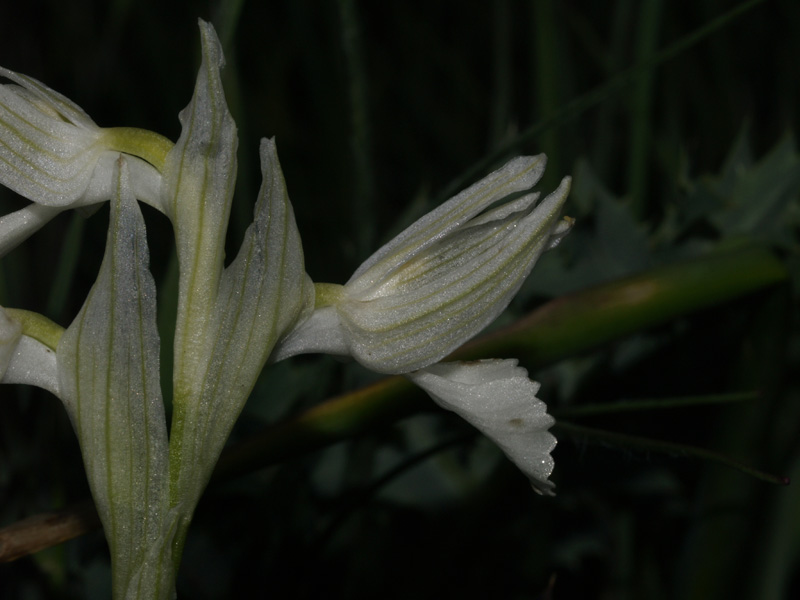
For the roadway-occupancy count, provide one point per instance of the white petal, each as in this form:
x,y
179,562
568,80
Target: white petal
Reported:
x,y
16,227
145,181
441,298
497,398
321,332
48,145
517,175
32,363
57,103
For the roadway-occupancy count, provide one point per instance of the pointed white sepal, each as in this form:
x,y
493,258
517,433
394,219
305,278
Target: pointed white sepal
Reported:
x,y
230,318
498,399
442,280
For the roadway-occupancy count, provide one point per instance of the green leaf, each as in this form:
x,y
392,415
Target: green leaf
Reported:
x,y
763,201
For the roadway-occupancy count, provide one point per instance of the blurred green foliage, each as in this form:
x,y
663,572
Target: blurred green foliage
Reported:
x,y
377,108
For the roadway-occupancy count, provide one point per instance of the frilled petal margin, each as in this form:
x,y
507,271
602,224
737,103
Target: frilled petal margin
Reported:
x,y
498,399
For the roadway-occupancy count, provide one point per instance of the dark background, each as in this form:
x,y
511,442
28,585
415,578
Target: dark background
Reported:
x,y
377,109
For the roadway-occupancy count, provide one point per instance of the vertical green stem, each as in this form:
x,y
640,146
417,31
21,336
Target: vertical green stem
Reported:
x,y
65,271
364,219
501,98
546,81
641,106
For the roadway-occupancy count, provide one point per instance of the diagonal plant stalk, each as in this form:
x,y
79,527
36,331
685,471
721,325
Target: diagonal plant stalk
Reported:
x,y
569,326
634,441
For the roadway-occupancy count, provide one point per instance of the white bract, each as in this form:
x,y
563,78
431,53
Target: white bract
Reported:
x,y
105,366
23,358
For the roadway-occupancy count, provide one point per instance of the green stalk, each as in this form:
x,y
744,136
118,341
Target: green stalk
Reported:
x,y
565,327
548,69
582,321
641,107
363,213
592,98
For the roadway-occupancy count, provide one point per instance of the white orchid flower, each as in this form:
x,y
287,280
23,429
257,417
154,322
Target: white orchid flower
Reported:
x,y
53,154
435,286
440,281
105,366
413,302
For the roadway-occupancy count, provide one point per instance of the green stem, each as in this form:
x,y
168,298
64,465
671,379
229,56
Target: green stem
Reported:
x,y
585,320
593,410
363,213
639,156
635,441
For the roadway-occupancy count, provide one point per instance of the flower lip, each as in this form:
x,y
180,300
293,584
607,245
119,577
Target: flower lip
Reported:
x,y
498,399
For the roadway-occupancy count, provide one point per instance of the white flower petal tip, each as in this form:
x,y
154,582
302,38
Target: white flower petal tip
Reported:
x,y
448,276
443,279
498,399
